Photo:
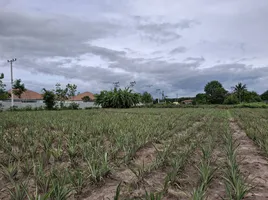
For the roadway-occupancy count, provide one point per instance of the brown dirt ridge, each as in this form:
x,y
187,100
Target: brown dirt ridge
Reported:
x,y
252,164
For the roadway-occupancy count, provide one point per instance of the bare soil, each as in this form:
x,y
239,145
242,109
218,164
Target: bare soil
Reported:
x,y
216,190
130,185
252,164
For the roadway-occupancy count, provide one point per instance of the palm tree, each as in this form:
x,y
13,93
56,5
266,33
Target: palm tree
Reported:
x,y
240,89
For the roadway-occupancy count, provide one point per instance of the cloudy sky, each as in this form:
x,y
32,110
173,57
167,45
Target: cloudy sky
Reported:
x,y
174,45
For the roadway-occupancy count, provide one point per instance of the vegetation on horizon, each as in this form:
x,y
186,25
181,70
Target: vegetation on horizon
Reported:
x,y
214,93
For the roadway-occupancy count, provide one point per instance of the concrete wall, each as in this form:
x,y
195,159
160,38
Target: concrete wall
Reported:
x,y
6,104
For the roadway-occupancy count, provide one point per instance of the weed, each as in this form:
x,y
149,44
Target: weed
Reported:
x,y
10,171
18,192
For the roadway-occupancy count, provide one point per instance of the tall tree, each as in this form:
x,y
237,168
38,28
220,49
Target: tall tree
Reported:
x,y
240,90
251,96
146,98
18,88
264,96
3,93
201,98
61,94
49,98
215,92
71,90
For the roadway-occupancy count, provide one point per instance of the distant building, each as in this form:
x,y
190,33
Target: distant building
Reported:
x,y
188,101
79,97
28,96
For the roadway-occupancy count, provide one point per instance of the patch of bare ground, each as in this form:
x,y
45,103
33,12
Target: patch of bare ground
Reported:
x,y
151,181
187,180
131,186
216,189
108,189
252,164
4,194
145,155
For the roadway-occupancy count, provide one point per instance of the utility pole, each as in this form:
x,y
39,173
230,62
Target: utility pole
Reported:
x,y
159,92
11,70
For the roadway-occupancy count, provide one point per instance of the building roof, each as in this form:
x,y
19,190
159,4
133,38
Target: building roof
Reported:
x,y
188,100
80,96
29,95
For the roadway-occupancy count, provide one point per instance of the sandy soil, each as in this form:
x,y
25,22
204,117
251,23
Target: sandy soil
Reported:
x,y
253,164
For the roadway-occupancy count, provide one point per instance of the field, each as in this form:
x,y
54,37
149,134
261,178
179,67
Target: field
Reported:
x,y
189,153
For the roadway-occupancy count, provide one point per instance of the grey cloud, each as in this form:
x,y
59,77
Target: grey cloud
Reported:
x,y
162,32
189,77
159,32
228,74
4,3
198,59
31,37
83,73
26,35
105,53
178,50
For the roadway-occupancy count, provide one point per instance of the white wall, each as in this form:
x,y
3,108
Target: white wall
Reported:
x,y
6,104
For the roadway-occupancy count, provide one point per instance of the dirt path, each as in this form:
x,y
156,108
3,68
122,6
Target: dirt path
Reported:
x,y
216,189
252,164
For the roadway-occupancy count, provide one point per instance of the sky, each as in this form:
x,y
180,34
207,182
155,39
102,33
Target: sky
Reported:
x,y
173,45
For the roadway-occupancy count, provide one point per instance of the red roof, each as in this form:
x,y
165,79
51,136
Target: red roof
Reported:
x,y
188,100
80,96
28,94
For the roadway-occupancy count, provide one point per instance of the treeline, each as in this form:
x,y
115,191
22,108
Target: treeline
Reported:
x,y
55,98
215,93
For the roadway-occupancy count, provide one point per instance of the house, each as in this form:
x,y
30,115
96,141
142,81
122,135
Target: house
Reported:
x,y
28,96
188,101
79,97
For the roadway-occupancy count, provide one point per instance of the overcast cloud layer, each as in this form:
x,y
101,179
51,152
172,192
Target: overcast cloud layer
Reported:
x,y
175,45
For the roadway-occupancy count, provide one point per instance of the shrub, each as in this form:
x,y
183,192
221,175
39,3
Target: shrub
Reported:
x,y
28,108
252,105
73,106
231,99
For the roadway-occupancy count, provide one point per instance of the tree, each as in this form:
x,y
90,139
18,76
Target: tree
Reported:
x,y
3,93
49,98
61,94
231,99
18,88
201,98
117,98
264,96
240,90
146,98
86,99
252,96
71,90
215,92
